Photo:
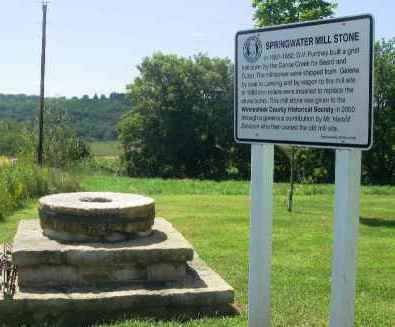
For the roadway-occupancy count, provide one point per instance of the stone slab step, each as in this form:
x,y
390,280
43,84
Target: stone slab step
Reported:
x,y
162,256
202,292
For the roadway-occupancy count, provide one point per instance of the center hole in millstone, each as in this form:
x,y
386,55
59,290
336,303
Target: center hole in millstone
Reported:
x,y
96,200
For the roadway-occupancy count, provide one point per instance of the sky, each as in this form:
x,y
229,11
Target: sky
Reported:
x,y
94,46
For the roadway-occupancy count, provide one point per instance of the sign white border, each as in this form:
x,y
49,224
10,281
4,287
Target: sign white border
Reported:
x,y
333,145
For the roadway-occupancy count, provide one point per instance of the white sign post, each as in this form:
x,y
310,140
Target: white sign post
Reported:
x,y
305,84
344,263
262,159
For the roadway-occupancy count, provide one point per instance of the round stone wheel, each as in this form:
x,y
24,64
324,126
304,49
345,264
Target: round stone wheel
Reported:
x,y
96,216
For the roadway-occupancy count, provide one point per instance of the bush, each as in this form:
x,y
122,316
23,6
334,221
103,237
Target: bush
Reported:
x,y
17,139
62,146
26,181
98,166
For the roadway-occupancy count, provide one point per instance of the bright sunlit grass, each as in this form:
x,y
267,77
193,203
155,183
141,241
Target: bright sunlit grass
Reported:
x,y
214,217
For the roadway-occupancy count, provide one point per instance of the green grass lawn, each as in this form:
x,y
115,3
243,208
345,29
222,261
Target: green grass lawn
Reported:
x,y
214,217
105,149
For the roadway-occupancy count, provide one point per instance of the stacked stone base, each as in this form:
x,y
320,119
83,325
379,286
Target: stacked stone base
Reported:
x,y
42,262
77,284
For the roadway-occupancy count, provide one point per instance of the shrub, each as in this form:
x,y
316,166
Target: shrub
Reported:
x,y
62,146
26,181
98,166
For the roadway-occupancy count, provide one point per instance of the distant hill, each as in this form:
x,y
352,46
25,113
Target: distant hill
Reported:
x,y
93,118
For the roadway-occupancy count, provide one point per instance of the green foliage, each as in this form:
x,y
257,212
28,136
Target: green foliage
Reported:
x,y
310,165
105,148
16,139
315,165
275,12
62,147
379,162
93,119
25,181
99,166
181,123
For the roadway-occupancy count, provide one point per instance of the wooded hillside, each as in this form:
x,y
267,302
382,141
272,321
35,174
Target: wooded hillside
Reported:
x,y
93,118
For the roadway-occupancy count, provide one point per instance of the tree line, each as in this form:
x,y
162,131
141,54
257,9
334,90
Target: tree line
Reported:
x,y
93,118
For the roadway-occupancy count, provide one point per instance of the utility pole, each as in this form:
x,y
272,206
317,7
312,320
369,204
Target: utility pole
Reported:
x,y
42,87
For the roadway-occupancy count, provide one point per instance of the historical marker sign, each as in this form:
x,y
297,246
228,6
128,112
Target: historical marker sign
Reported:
x,y
308,84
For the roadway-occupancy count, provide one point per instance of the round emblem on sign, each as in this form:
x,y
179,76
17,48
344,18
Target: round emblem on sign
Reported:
x,y
252,49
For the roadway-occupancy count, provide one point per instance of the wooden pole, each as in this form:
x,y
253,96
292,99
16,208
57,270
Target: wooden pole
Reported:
x,y
40,150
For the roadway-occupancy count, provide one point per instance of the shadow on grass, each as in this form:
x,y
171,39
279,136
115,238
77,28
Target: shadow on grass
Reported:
x,y
377,222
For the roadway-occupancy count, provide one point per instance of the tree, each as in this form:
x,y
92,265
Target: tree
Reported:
x,y
379,162
275,12
62,146
181,123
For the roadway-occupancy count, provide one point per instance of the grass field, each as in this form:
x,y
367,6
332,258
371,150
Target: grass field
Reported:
x,y
105,149
214,217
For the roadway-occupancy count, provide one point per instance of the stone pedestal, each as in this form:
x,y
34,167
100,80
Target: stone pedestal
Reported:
x,y
42,262
158,274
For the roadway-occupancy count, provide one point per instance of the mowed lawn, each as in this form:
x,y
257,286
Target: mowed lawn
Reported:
x,y
214,217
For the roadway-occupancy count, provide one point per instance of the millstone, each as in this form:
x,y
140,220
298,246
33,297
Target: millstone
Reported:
x,y
96,216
